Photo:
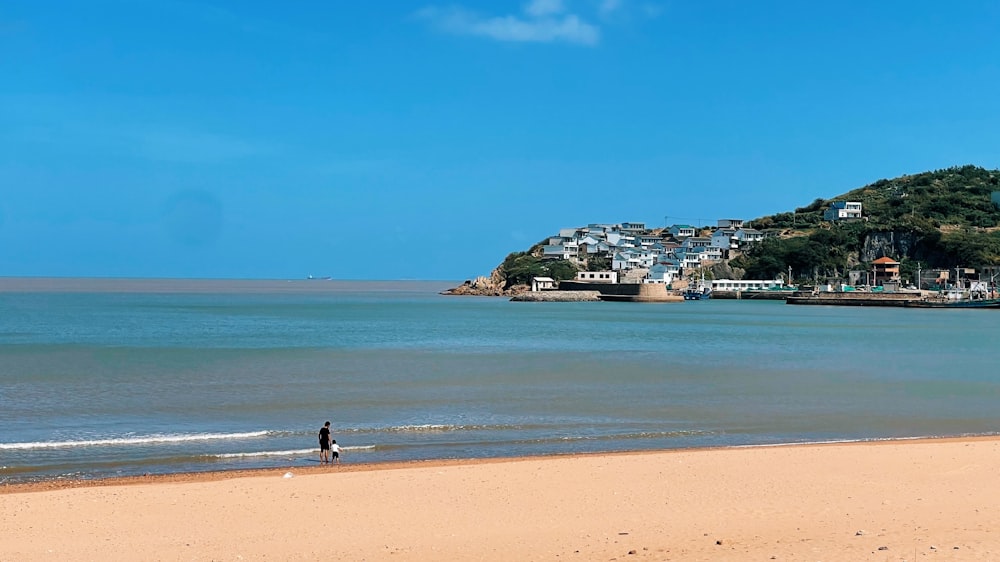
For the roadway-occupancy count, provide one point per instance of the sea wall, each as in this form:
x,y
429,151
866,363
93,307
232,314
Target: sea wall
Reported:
x,y
557,296
631,292
852,299
751,295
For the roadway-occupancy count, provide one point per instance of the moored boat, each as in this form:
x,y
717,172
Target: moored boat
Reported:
x,y
954,303
907,300
697,294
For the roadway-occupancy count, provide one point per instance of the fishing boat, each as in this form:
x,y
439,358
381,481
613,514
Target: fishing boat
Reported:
x,y
933,303
956,298
702,294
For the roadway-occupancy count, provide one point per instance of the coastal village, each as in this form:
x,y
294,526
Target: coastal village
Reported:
x,y
685,262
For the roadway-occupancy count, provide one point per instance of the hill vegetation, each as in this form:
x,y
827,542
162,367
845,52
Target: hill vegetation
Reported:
x,y
941,219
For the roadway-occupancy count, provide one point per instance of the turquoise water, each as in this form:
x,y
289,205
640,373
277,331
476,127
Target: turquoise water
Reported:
x,y
108,377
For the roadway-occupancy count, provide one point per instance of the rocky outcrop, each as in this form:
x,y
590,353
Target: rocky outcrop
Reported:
x,y
723,270
492,286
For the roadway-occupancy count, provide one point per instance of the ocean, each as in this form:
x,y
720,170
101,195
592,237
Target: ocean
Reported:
x,y
112,377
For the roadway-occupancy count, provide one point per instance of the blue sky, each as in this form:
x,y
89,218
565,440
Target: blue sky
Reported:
x,y
427,140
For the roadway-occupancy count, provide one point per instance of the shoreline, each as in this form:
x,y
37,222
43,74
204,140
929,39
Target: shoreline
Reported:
x,y
864,500
59,483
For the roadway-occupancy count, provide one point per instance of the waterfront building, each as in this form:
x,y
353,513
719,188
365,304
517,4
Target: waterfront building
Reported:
x,y
885,269
747,284
597,276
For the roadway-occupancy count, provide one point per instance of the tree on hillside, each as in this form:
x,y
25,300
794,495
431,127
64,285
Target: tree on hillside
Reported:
x,y
520,267
924,208
598,263
972,249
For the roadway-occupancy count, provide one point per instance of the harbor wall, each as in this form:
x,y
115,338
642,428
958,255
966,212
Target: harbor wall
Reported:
x,y
557,296
631,292
751,295
852,299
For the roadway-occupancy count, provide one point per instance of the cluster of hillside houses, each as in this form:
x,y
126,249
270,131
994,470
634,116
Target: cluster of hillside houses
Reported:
x,y
642,255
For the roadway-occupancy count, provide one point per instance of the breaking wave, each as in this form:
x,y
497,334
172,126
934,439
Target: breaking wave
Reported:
x,y
132,440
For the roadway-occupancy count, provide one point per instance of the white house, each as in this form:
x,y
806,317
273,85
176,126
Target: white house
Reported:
x,y
597,276
682,230
566,251
663,271
649,239
638,258
724,238
746,284
698,257
588,249
596,228
542,283
843,210
748,235
696,242
710,254
690,260
625,260
730,223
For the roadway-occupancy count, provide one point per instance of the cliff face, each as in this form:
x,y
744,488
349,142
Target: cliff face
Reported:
x,y
878,244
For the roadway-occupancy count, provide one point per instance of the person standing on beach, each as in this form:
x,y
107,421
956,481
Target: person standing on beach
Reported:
x,y
324,443
335,451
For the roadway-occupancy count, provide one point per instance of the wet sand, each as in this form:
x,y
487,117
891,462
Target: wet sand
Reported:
x,y
892,500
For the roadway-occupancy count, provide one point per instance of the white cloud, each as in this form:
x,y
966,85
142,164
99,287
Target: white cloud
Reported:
x,y
542,8
544,21
627,10
194,146
608,7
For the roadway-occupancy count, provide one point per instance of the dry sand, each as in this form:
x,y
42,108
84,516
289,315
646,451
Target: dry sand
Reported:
x,y
901,500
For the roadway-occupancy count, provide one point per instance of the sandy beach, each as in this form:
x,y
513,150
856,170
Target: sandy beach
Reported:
x,y
893,500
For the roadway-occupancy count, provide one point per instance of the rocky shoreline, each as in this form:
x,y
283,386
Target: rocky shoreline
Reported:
x,y
492,286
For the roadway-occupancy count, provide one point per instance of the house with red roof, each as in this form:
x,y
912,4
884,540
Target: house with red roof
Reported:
x,y
885,269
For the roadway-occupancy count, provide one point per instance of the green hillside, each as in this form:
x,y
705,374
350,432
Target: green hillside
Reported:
x,y
939,219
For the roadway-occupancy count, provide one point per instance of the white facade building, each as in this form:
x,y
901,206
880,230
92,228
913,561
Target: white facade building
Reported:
x,y
843,210
748,235
747,284
725,238
597,276
664,272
